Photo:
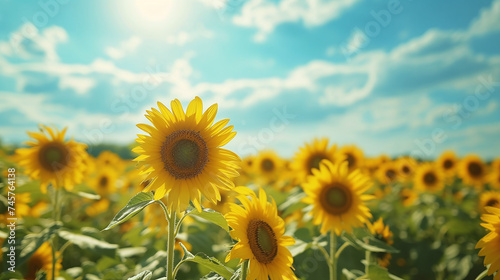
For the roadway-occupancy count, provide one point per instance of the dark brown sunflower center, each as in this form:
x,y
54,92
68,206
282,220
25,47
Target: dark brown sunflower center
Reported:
x,y
406,169
448,164
35,264
262,240
53,156
184,154
351,160
314,162
267,165
336,199
390,174
475,169
103,182
430,178
492,202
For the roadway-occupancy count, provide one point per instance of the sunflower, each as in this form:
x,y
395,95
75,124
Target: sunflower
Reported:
x,y
495,164
178,246
447,163
491,199
109,159
53,160
267,167
428,178
408,197
246,172
489,244
373,164
42,260
259,232
384,234
353,155
310,155
104,182
182,156
387,173
494,179
338,197
406,168
98,207
472,170
222,206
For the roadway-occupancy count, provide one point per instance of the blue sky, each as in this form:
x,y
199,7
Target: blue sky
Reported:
x,y
397,77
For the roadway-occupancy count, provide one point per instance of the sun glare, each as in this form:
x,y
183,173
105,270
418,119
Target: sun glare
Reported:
x,y
153,10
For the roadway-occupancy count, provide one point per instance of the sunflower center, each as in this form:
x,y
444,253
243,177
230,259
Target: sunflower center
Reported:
x,y
35,264
267,165
262,241
103,182
430,178
447,164
336,199
53,156
184,154
475,169
314,162
492,202
390,174
351,160
406,169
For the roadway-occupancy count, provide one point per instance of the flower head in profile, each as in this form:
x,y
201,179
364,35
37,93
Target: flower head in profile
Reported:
x,y
181,154
53,160
489,244
259,232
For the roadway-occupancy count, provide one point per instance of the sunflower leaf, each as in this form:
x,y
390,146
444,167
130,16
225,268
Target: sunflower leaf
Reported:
x,y
378,272
133,207
187,254
145,275
89,243
211,216
213,264
30,243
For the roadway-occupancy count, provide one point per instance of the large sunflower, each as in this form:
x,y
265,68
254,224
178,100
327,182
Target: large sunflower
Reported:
x,y
353,155
447,163
384,234
310,155
53,160
259,232
41,260
472,170
428,178
489,199
182,156
267,167
490,243
338,197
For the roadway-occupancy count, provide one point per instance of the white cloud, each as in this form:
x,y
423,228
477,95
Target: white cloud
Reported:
x,y
125,48
265,15
80,85
488,20
183,37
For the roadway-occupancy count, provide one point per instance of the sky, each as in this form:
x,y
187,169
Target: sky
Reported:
x,y
411,77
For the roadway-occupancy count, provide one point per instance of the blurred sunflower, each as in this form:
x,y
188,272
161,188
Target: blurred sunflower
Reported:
x,y
178,246
387,173
53,160
472,170
489,243
352,154
373,164
182,155
494,179
406,167
109,159
338,197
384,234
259,232
310,155
98,207
222,206
42,260
428,178
246,172
489,199
447,163
104,182
495,165
267,167
408,197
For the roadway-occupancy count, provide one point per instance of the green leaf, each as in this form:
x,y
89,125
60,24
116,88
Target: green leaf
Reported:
x,y
89,243
134,206
145,275
30,243
213,264
377,272
187,254
211,216
88,195
131,251
351,240
375,245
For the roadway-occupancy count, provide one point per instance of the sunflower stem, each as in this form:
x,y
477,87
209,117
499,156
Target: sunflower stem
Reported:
x,y
170,245
244,270
333,256
482,275
55,241
367,257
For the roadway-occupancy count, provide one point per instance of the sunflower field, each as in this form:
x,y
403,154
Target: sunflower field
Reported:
x,y
184,207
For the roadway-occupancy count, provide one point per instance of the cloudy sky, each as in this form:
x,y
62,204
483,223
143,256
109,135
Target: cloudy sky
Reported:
x,y
390,76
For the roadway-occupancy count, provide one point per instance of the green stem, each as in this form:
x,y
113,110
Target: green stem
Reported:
x,y
178,226
367,257
482,275
339,251
244,270
170,246
55,240
333,256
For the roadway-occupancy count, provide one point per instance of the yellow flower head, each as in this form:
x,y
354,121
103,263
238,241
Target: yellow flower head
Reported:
x,y
489,199
447,163
428,178
182,154
53,160
406,168
259,232
353,155
42,260
268,167
310,155
490,244
384,234
472,170
387,173
338,197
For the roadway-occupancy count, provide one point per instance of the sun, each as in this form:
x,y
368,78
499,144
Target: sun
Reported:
x,y
153,10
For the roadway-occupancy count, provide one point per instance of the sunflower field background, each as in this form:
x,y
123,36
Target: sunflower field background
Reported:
x,y
230,139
